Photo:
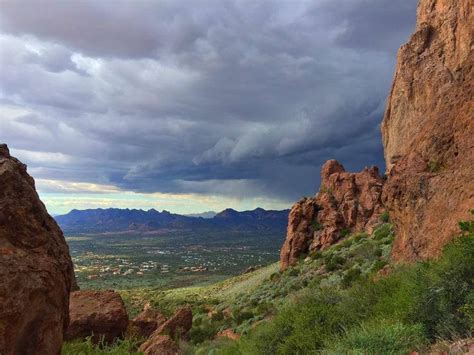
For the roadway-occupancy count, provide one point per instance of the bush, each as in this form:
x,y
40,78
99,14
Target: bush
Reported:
x,y
344,232
86,347
381,337
378,265
440,305
315,255
293,272
333,262
240,315
467,226
350,276
384,217
276,276
204,331
382,232
316,226
359,236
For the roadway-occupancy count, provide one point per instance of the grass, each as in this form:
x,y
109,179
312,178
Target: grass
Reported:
x,y
380,337
121,347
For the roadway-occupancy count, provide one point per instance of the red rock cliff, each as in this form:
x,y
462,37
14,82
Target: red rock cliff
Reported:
x,y
428,130
36,272
346,202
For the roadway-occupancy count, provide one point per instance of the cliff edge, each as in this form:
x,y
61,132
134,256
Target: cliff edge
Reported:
x,y
428,131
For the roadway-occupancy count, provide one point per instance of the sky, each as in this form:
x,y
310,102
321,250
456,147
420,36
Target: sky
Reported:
x,y
192,106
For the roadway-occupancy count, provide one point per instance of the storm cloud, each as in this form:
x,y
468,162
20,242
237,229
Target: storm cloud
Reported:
x,y
231,98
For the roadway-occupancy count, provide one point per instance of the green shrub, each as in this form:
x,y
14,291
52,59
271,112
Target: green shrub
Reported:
x,y
86,347
380,337
347,243
434,166
206,330
276,276
384,217
299,328
446,289
467,226
315,255
378,265
359,236
350,276
240,315
316,226
382,232
293,271
344,232
333,262
365,251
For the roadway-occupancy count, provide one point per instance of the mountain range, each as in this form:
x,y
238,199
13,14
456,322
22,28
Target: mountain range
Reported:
x,y
114,220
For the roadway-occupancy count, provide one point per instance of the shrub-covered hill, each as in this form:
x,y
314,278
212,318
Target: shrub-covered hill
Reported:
x,y
346,299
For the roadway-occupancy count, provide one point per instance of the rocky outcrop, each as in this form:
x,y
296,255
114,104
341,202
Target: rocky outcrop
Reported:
x,y
177,327
179,324
229,334
428,131
160,345
36,272
101,314
300,231
146,322
345,203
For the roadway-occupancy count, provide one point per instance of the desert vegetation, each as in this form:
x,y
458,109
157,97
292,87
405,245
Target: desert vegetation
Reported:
x,y
346,299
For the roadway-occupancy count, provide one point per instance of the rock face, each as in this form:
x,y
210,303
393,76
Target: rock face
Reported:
x,y
179,325
98,313
36,272
161,341
160,345
146,322
345,203
428,131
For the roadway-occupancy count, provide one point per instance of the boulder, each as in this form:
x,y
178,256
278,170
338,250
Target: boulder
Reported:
x,y
160,345
346,203
146,322
36,271
428,131
101,314
177,327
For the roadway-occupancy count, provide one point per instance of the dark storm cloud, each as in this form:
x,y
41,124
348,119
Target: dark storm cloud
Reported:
x,y
242,98
371,24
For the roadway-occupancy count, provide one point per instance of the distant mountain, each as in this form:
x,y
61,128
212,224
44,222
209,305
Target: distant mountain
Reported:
x,y
208,214
258,215
115,220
